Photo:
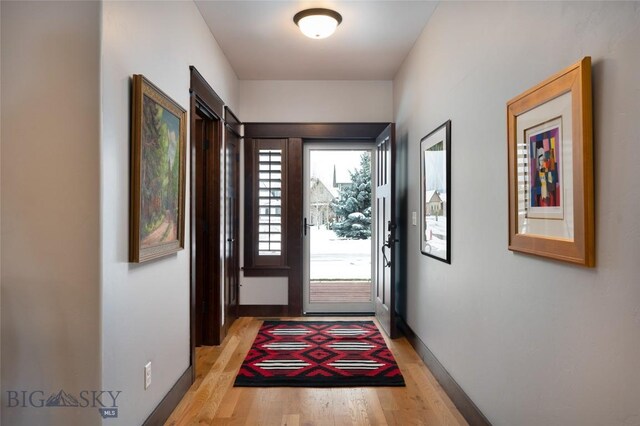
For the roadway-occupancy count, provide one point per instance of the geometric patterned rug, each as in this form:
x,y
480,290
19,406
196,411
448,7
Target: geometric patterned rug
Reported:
x,y
319,354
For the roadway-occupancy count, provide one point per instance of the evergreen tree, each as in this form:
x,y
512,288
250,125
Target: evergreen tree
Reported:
x,y
353,207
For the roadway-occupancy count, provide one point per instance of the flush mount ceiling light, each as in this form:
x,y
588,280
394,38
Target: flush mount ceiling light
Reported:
x,y
317,23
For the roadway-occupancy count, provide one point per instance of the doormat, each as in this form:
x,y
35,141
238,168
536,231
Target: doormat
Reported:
x,y
319,354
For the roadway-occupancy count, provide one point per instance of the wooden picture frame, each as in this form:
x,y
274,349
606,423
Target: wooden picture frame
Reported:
x,y
550,156
435,193
158,149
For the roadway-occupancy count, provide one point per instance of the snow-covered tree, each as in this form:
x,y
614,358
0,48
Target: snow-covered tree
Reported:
x,y
353,206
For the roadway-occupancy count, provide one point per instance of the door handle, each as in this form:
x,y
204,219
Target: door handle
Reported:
x,y
387,262
230,240
307,226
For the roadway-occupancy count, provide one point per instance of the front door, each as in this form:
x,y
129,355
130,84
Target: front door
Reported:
x,y
385,230
337,228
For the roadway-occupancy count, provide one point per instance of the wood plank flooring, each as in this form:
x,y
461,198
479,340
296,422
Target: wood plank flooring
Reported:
x,y
339,291
212,399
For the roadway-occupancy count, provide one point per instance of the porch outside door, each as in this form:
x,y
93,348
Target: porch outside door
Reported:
x,y
339,253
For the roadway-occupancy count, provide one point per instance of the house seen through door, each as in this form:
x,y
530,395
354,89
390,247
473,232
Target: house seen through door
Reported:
x,y
337,228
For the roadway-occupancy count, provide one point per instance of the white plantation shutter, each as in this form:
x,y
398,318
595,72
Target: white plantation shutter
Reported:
x,y
270,202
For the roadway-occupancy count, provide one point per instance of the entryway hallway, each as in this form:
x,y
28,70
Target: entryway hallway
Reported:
x,y
212,399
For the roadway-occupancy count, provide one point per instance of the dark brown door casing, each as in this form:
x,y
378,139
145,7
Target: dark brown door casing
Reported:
x,y
206,218
294,134
231,218
207,224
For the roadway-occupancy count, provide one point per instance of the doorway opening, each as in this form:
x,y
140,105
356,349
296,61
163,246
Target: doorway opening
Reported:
x,y
338,228
206,204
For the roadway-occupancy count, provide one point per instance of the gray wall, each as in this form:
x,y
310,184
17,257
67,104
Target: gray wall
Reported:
x,y
316,101
145,315
50,205
532,341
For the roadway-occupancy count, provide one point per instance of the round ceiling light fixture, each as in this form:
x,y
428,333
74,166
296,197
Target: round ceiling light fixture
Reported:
x,y
317,23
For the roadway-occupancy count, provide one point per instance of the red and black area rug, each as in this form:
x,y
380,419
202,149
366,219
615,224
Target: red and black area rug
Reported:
x,y
319,354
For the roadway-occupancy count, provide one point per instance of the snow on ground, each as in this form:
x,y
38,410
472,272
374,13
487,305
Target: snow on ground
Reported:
x,y
337,258
435,235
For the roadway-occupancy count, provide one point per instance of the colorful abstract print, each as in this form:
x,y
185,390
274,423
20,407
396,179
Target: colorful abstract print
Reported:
x,y
544,149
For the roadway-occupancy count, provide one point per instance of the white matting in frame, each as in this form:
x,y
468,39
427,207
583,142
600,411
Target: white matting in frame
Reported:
x,y
547,221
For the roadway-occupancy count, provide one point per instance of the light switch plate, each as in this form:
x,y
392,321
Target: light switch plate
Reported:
x,y
147,375
414,218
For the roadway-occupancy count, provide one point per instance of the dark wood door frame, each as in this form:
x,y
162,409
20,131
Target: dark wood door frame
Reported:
x,y
205,162
206,107
231,241
297,134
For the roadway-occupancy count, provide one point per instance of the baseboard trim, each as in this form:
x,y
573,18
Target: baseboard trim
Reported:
x,y
263,310
460,399
171,400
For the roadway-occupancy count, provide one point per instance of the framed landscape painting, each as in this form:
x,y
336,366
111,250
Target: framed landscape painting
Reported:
x,y
435,193
158,137
550,151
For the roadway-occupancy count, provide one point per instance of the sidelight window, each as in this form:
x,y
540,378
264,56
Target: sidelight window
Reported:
x,y
266,206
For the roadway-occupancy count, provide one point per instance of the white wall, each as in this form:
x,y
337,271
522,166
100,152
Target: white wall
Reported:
x,y
315,101
50,206
146,307
305,101
532,341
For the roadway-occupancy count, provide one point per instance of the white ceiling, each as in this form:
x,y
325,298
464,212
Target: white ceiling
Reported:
x,y
261,41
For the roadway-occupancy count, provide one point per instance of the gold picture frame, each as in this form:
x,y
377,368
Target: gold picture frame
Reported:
x,y
550,155
158,149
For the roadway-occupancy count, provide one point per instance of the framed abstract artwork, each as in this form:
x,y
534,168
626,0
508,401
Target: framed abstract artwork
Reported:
x,y
435,193
158,137
550,151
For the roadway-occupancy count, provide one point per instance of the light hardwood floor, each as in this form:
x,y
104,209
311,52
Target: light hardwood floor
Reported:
x,y
212,399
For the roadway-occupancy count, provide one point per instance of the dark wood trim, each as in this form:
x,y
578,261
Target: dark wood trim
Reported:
x,y
208,105
231,221
263,310
192,237
295,248
206,190
205,92
318,131
252,260
214,334
171,400
249,178
460,399
232,122
296,134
